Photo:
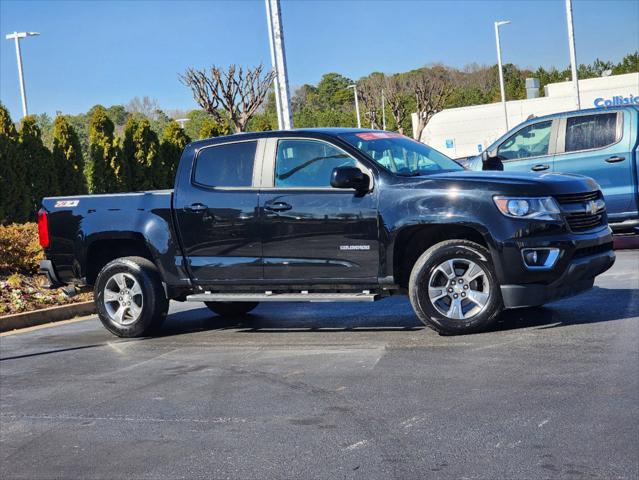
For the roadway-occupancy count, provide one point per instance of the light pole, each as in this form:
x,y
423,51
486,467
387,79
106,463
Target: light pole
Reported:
x,y
182,121
16,36
573,53
354,87
501,71
278,59
383,111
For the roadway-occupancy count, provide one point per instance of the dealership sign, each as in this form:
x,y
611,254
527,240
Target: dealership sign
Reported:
x,y
616,100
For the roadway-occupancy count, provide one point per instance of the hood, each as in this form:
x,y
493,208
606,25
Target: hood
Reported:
x,y
510,183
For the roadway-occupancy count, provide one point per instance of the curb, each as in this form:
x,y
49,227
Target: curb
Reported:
x,y
626,242
46,315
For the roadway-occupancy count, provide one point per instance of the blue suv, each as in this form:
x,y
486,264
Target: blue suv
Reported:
x,y
602,143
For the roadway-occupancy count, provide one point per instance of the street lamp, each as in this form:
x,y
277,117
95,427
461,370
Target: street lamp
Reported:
x,y
359,122
501,72
16,36
573,53
182,121
278,59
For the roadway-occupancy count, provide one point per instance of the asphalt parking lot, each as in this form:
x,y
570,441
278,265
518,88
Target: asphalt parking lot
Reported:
x,y
332,391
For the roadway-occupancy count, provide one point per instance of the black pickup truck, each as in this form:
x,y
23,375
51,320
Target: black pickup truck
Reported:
x,y
329,215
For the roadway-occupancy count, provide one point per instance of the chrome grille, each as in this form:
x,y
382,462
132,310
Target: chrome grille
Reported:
x,y
576,210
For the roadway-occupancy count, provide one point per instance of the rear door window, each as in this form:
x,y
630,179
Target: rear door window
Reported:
x,y
530,141
229,165
587,132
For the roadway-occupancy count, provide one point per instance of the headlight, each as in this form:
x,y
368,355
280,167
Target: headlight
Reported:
x,y
537,208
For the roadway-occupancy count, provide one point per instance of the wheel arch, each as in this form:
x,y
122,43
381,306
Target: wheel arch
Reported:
x,y
413,240
103,250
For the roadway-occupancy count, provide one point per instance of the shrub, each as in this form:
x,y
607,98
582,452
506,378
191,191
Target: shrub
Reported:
x,y
14,191
67,158
171,146
37,162
104,172
20,250
140,152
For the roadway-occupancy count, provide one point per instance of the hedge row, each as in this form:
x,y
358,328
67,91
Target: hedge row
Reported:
x,y
29,171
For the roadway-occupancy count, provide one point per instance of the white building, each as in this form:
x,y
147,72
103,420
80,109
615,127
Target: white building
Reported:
x,y
466,131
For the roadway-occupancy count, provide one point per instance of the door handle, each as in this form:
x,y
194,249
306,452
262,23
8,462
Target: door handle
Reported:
x,y
540,167
615,159
196,207
277,206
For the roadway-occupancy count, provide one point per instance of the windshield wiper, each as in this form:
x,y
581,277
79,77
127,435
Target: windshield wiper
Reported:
x,y
410,174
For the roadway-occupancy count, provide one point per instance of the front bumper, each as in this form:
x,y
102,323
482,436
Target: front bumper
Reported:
x,y
578,276
47,269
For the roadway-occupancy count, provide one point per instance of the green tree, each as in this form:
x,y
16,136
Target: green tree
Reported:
x,y
117,114
67,158
629,64
140,151
210,128
45,124
104,170
171,146
334,92
202,125
14,191
38,164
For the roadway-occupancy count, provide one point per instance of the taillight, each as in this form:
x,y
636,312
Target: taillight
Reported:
x,y
43,228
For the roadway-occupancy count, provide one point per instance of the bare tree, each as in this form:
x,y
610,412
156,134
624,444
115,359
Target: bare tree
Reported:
x,y
146,106
431,89
238,92
395,93
370,91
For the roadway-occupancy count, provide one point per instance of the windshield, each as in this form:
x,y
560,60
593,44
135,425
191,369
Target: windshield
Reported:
x,y
399,154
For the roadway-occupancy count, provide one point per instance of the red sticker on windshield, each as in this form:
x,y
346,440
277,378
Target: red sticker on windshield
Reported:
x,y
377,135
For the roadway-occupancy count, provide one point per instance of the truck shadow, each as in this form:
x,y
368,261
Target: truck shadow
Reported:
x,y
395,314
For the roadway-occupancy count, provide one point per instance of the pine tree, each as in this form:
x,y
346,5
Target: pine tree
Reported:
x,y
173,142
38,165
104,170
14,191
141,154
67,158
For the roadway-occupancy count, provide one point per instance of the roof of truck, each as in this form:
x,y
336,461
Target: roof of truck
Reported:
x,y
326,131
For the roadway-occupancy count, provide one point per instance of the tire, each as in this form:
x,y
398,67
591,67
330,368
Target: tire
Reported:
x,y
463,307
231,309
147,302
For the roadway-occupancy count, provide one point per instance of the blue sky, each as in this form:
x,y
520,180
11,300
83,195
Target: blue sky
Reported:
x,y
108,52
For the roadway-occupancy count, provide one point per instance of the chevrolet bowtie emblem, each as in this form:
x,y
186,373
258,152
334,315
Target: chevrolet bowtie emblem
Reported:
x,y
591,207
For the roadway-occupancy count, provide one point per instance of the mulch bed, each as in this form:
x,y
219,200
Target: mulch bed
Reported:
x,y
21,293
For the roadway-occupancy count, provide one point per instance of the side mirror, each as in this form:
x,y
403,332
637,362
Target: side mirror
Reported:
x,y
490,160
350,177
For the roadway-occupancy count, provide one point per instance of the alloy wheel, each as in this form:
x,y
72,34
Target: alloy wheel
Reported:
x,y
459,289
123,298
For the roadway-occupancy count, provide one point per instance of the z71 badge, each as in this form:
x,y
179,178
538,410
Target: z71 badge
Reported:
x,y
66,203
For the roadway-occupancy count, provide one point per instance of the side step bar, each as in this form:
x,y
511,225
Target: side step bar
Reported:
x,y
282,297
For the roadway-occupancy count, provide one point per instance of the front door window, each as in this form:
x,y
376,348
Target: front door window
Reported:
x,y
307,163
530,141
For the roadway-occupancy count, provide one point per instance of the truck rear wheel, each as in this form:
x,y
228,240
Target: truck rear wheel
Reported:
x,y
231,309
453,288
129,297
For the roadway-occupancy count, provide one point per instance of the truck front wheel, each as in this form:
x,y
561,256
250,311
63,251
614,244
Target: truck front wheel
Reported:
x,y
231,309
453,288
129,297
